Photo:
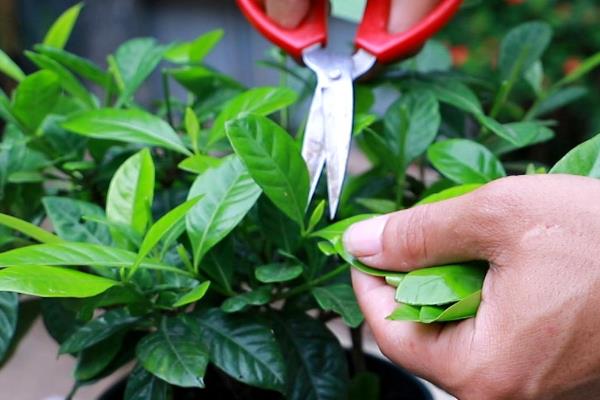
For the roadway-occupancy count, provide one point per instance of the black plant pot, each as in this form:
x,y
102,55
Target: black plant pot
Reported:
x,y
396,384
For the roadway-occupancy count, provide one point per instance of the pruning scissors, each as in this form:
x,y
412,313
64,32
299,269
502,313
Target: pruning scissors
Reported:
x,y
329,126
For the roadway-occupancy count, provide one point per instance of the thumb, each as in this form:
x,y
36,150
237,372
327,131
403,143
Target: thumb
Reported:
x,y
287,13
460,229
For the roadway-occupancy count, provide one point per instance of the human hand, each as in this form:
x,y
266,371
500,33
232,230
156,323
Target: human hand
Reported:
x,y
404,13
536,334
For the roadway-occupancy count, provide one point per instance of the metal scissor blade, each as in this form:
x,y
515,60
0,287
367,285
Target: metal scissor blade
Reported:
x,y
338,101
313,147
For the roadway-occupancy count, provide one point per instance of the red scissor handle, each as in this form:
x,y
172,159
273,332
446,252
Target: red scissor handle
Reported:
x,y
312,30
373,33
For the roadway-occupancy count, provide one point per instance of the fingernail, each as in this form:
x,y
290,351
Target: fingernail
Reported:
x,y
365,239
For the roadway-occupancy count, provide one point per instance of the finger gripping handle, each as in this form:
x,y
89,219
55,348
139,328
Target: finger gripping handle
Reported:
x,y
311,31
373,35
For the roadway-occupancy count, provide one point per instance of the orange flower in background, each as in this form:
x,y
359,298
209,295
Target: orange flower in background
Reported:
x,y
514,2
460,55
571,64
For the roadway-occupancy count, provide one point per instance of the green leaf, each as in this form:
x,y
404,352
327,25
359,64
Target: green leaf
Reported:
x,y
28,229
466,308
522,47
394,280
77,254
440,285
434,56
316,216
465,161
339,298
378,206
257,297
135,60
196,50
142,385
498,129
60,31
67,80
108,324
9,310
9,68
192,127
456,94
258,101
315,364
525,134
162,228
365,385
274,273
92,361
52,282
199,163
406,312
411,125
130,195
583,160
79,65
450,193
218,265
560,98
535,77
35,97
203,82
60,318
193,295
67,215
229,193
130,126
243,347
274,162
175,353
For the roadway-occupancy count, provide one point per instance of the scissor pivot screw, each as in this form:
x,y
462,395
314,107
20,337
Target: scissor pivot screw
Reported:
x,y
335,74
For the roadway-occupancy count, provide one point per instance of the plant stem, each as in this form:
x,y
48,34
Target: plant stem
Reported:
x,y
167,96
309,285
358,355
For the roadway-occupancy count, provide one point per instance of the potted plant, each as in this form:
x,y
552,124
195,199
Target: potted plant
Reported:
x,y
178,237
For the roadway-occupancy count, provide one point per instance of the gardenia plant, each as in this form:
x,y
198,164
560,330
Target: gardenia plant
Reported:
x,y
180,235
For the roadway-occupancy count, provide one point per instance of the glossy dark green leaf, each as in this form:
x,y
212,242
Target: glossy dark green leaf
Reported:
x,y
196,50
278,227
205,82
256,297
77,254
406,312
218,265
339,298
243,347
466,308
228,194
440,285
67,215
258,101
130,194
175,352
274,162
60,318
93,360
411,125
315,362
522,47
59,33
9,311
35,97
52,282
583,160
110,323
450,193
79,65
273,273
130,126
465,161
193,295
134,61
28,229
9,68
142,385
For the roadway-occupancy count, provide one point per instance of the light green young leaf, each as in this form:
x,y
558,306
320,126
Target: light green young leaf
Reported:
x,y
130,126
406,312
228,194
9,68
274,162
196,50
522,47
583,160
28,229
466,308
193,295
199,163
67,215
175,352
130,194
60,31
316,216
44,281
465,161
9,311
192,127
35,97
339,298
258,101
450,193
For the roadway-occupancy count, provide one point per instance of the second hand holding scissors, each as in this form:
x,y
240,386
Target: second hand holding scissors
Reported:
x,y
329,126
